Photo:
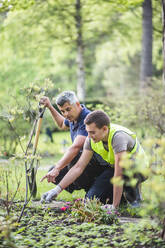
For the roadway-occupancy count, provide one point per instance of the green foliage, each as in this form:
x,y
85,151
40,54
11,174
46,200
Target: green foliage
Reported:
x,y
154,188
10,178
112,45
10,5
141,233
142,114
153,110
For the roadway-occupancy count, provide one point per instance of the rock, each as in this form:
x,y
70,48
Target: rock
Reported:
x,y
124,220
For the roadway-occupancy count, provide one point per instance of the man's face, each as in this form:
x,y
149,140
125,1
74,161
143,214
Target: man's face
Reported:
x,y
70,111
95,133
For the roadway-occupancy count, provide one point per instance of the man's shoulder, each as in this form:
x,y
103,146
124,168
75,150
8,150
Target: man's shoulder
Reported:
x,y
122,141
121,134
66,123
83,115
119,137
85,111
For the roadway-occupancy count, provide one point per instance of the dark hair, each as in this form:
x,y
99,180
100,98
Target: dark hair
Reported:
x,y
66,96
99,117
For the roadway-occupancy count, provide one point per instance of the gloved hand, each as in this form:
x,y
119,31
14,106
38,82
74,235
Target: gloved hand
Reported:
x,y
108,207
51,194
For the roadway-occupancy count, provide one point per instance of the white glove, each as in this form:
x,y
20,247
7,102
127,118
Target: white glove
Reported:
x,y
53,193
108,207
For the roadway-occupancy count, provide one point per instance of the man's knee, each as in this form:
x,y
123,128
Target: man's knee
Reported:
x,y
102,192
104,197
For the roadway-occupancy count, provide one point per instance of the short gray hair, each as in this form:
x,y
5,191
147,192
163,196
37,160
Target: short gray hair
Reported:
x,y
66,96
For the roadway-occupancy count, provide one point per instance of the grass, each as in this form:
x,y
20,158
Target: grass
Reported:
x,y
42,187
48,149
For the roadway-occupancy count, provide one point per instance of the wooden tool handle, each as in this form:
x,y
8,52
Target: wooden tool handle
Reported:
x,y
37,134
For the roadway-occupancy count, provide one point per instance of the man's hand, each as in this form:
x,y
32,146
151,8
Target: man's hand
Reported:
x,y
45,101
51,176
51,194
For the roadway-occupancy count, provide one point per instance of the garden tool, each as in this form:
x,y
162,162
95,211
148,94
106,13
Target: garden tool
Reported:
x,y
31,172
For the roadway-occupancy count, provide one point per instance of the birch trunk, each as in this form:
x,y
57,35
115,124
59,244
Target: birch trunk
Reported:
x,y
163,39
80,54
146,57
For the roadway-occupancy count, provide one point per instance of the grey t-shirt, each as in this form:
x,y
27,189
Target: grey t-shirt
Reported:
x,y
121,141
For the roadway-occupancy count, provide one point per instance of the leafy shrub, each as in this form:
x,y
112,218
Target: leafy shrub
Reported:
x,y
17,117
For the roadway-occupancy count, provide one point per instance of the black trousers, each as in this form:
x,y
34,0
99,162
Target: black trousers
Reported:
x,y
95,167
95,180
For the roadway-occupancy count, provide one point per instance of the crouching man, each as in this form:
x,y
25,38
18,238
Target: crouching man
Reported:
x,y
111,142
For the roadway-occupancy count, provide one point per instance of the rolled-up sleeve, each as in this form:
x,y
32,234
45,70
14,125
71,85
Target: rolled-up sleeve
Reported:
x,y
122,142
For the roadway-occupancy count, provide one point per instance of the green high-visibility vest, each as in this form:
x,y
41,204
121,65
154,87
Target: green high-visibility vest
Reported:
x,y
109,155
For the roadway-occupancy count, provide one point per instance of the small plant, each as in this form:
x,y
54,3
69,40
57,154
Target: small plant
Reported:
x,y
90,211
10,178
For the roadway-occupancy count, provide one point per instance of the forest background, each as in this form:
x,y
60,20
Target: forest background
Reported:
x,y
107,51
110,52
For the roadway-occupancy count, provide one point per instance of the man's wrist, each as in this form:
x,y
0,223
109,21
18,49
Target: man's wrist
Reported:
x,y
50,107
58,189
57,168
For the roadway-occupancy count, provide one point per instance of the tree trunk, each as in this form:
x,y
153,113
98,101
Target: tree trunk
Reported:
x,y
163,39
80,54
146,57
163,231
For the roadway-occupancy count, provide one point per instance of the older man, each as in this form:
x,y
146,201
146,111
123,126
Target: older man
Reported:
x,y
72,118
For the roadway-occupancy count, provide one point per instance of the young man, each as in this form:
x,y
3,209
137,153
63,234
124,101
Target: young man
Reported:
x,y
111,142
72,118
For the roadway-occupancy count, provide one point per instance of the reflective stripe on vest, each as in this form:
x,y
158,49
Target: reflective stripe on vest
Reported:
x,y
109,155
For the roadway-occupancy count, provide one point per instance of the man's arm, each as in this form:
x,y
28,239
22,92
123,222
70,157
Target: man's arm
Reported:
x,y
117,190
70,154
77,169
70,177
58,118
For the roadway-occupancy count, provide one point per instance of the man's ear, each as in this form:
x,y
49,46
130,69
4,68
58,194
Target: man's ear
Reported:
x,y
105,128
78,104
